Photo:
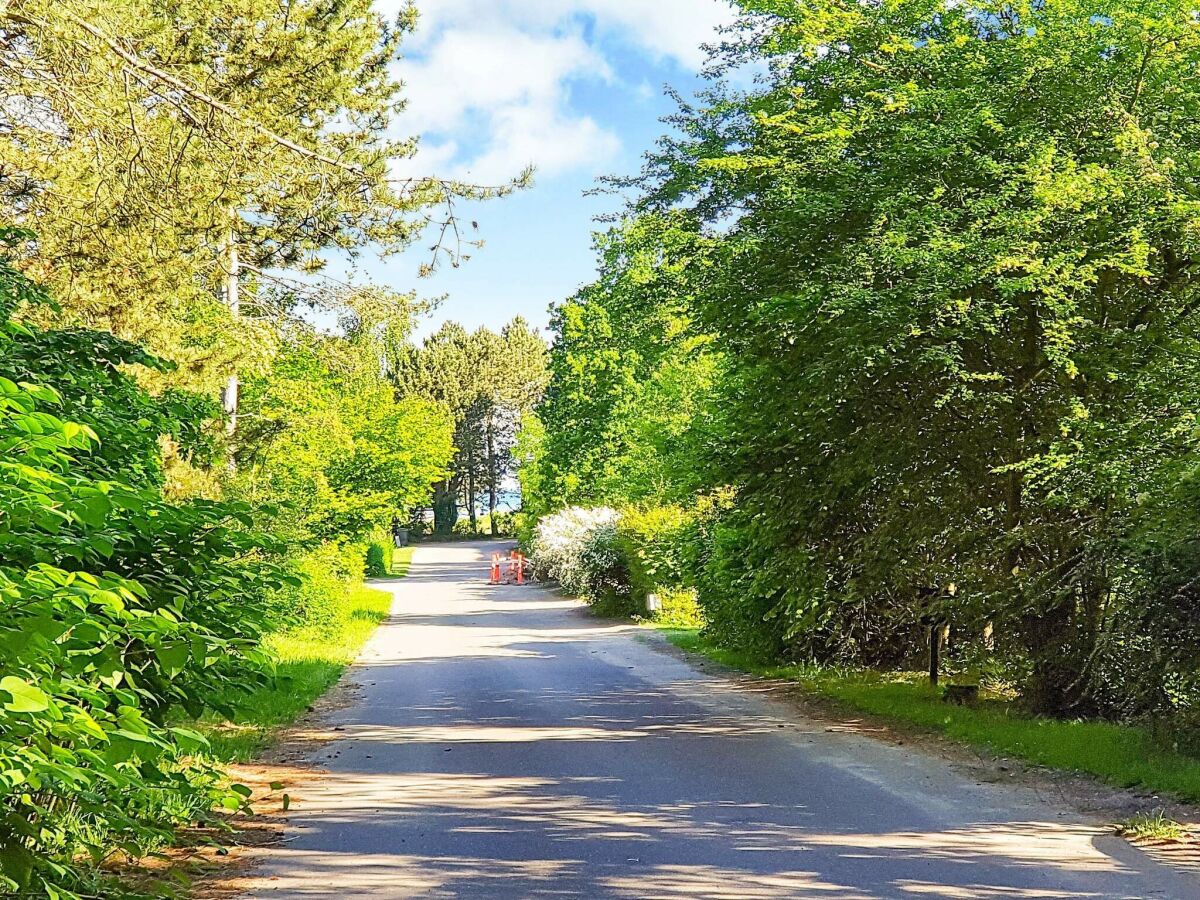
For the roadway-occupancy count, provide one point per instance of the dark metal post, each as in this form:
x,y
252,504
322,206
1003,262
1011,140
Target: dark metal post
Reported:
x,y
935,646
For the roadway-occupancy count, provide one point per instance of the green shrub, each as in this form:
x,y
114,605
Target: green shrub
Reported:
x,y
602,576
506,524
380,552
376,561
740,604
323,578
615,560
658,544
680,608
307,660
120,614
524,527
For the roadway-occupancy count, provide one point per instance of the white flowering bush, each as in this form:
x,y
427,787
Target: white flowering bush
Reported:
x,y
576,547
614,559
604,571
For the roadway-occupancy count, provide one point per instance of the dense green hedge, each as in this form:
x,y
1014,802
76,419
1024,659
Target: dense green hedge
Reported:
x,y
126,616
121,615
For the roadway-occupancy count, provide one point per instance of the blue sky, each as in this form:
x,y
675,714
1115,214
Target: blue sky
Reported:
x,y
574,87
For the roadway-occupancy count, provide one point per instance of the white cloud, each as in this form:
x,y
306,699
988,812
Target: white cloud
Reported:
x,y
432,158
554,143
673,29
488,82
470,69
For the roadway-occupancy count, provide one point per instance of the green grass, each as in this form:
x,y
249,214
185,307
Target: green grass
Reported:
x,y
1122,755
401,561
308,662
1153,826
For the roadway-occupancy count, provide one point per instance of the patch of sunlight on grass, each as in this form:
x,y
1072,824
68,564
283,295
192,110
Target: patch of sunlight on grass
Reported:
x,y
1123,755
401,561
308,662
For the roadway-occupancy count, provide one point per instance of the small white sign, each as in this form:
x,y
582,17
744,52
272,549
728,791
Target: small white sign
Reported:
x,y
653,603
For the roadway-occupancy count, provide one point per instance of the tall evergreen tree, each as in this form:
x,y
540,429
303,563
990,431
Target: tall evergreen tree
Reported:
x,y
488,381
149,143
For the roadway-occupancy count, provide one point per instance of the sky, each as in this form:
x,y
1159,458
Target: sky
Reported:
x,y
573,87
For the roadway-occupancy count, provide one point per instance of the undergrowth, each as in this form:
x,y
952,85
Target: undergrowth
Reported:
x,y
308,661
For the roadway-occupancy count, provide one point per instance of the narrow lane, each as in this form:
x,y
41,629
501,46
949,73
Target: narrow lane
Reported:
x,y
505,744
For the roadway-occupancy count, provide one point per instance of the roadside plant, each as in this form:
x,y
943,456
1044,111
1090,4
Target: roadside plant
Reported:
x,y
563,548
120,615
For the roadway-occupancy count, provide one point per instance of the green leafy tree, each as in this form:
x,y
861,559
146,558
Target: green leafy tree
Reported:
x,y
630,374
327,441
440,370
514,366
147,143
489,381
90,371
919,309
958,303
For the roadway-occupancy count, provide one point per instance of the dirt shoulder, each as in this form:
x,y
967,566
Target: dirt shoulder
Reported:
x,y
213,863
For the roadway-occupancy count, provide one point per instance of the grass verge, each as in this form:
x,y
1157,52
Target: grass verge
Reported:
x,y
401,560
1122,755
309,661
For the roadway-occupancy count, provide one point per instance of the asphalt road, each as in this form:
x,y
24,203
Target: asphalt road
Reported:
x,y
502,743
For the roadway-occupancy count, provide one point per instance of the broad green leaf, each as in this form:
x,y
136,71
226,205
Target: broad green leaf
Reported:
x,y
26,698
174,657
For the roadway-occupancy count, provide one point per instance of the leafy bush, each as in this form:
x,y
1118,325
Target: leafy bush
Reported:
x,y
322,580
94,660
603,572
614,560
563,549
680,608
524,529
376,562
660,546
119,614
505,523
380,550
738,613
462,528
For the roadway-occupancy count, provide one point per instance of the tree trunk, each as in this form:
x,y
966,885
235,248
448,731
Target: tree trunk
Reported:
x,y
934,636
471,490
1046,631
491,455
229,395
1054,683
445,507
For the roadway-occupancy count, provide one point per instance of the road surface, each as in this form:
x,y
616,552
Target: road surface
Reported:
x,y
505,744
